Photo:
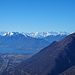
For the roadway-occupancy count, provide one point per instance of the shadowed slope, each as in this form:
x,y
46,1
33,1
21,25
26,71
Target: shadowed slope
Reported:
x,y
70,71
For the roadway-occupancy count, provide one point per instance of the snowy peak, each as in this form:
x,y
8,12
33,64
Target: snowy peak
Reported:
x,y
4,34
12,34
9,33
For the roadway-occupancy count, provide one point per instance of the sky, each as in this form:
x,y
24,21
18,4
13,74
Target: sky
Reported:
x,y
37,15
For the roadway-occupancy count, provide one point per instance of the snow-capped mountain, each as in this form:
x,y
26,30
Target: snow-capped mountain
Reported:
x,y
45,34
19,41
2,32
12,34
26,41
35,35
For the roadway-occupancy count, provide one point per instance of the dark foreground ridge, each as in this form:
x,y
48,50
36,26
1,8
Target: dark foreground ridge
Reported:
x,y
52,60
70,71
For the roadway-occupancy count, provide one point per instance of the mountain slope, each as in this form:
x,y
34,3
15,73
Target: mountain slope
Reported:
x,y
52,38
52,60
70,71
19,41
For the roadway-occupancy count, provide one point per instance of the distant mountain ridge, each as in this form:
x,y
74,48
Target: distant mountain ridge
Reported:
x,y
18,41
37,34
22,41
11,34
45,34
52,38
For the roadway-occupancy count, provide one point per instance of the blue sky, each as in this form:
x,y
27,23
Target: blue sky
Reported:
x,y
37,15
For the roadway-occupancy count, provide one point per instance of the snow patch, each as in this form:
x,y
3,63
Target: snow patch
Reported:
x,y
4,34
36,33
48,34
24,35
11,34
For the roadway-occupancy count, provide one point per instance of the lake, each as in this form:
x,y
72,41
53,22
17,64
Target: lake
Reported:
x,y
19,51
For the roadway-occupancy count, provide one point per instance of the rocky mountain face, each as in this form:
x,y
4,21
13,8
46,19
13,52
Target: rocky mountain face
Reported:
x,y
52,60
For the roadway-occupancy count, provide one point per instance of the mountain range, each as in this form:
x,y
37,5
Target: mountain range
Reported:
x,y
18,41
38,34
54,59
22,41
45,34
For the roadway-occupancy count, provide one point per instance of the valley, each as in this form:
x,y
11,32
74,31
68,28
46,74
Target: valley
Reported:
x,y
4,65
9,61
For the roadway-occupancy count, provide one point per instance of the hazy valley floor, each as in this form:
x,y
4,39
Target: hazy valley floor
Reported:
x,y
9,61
